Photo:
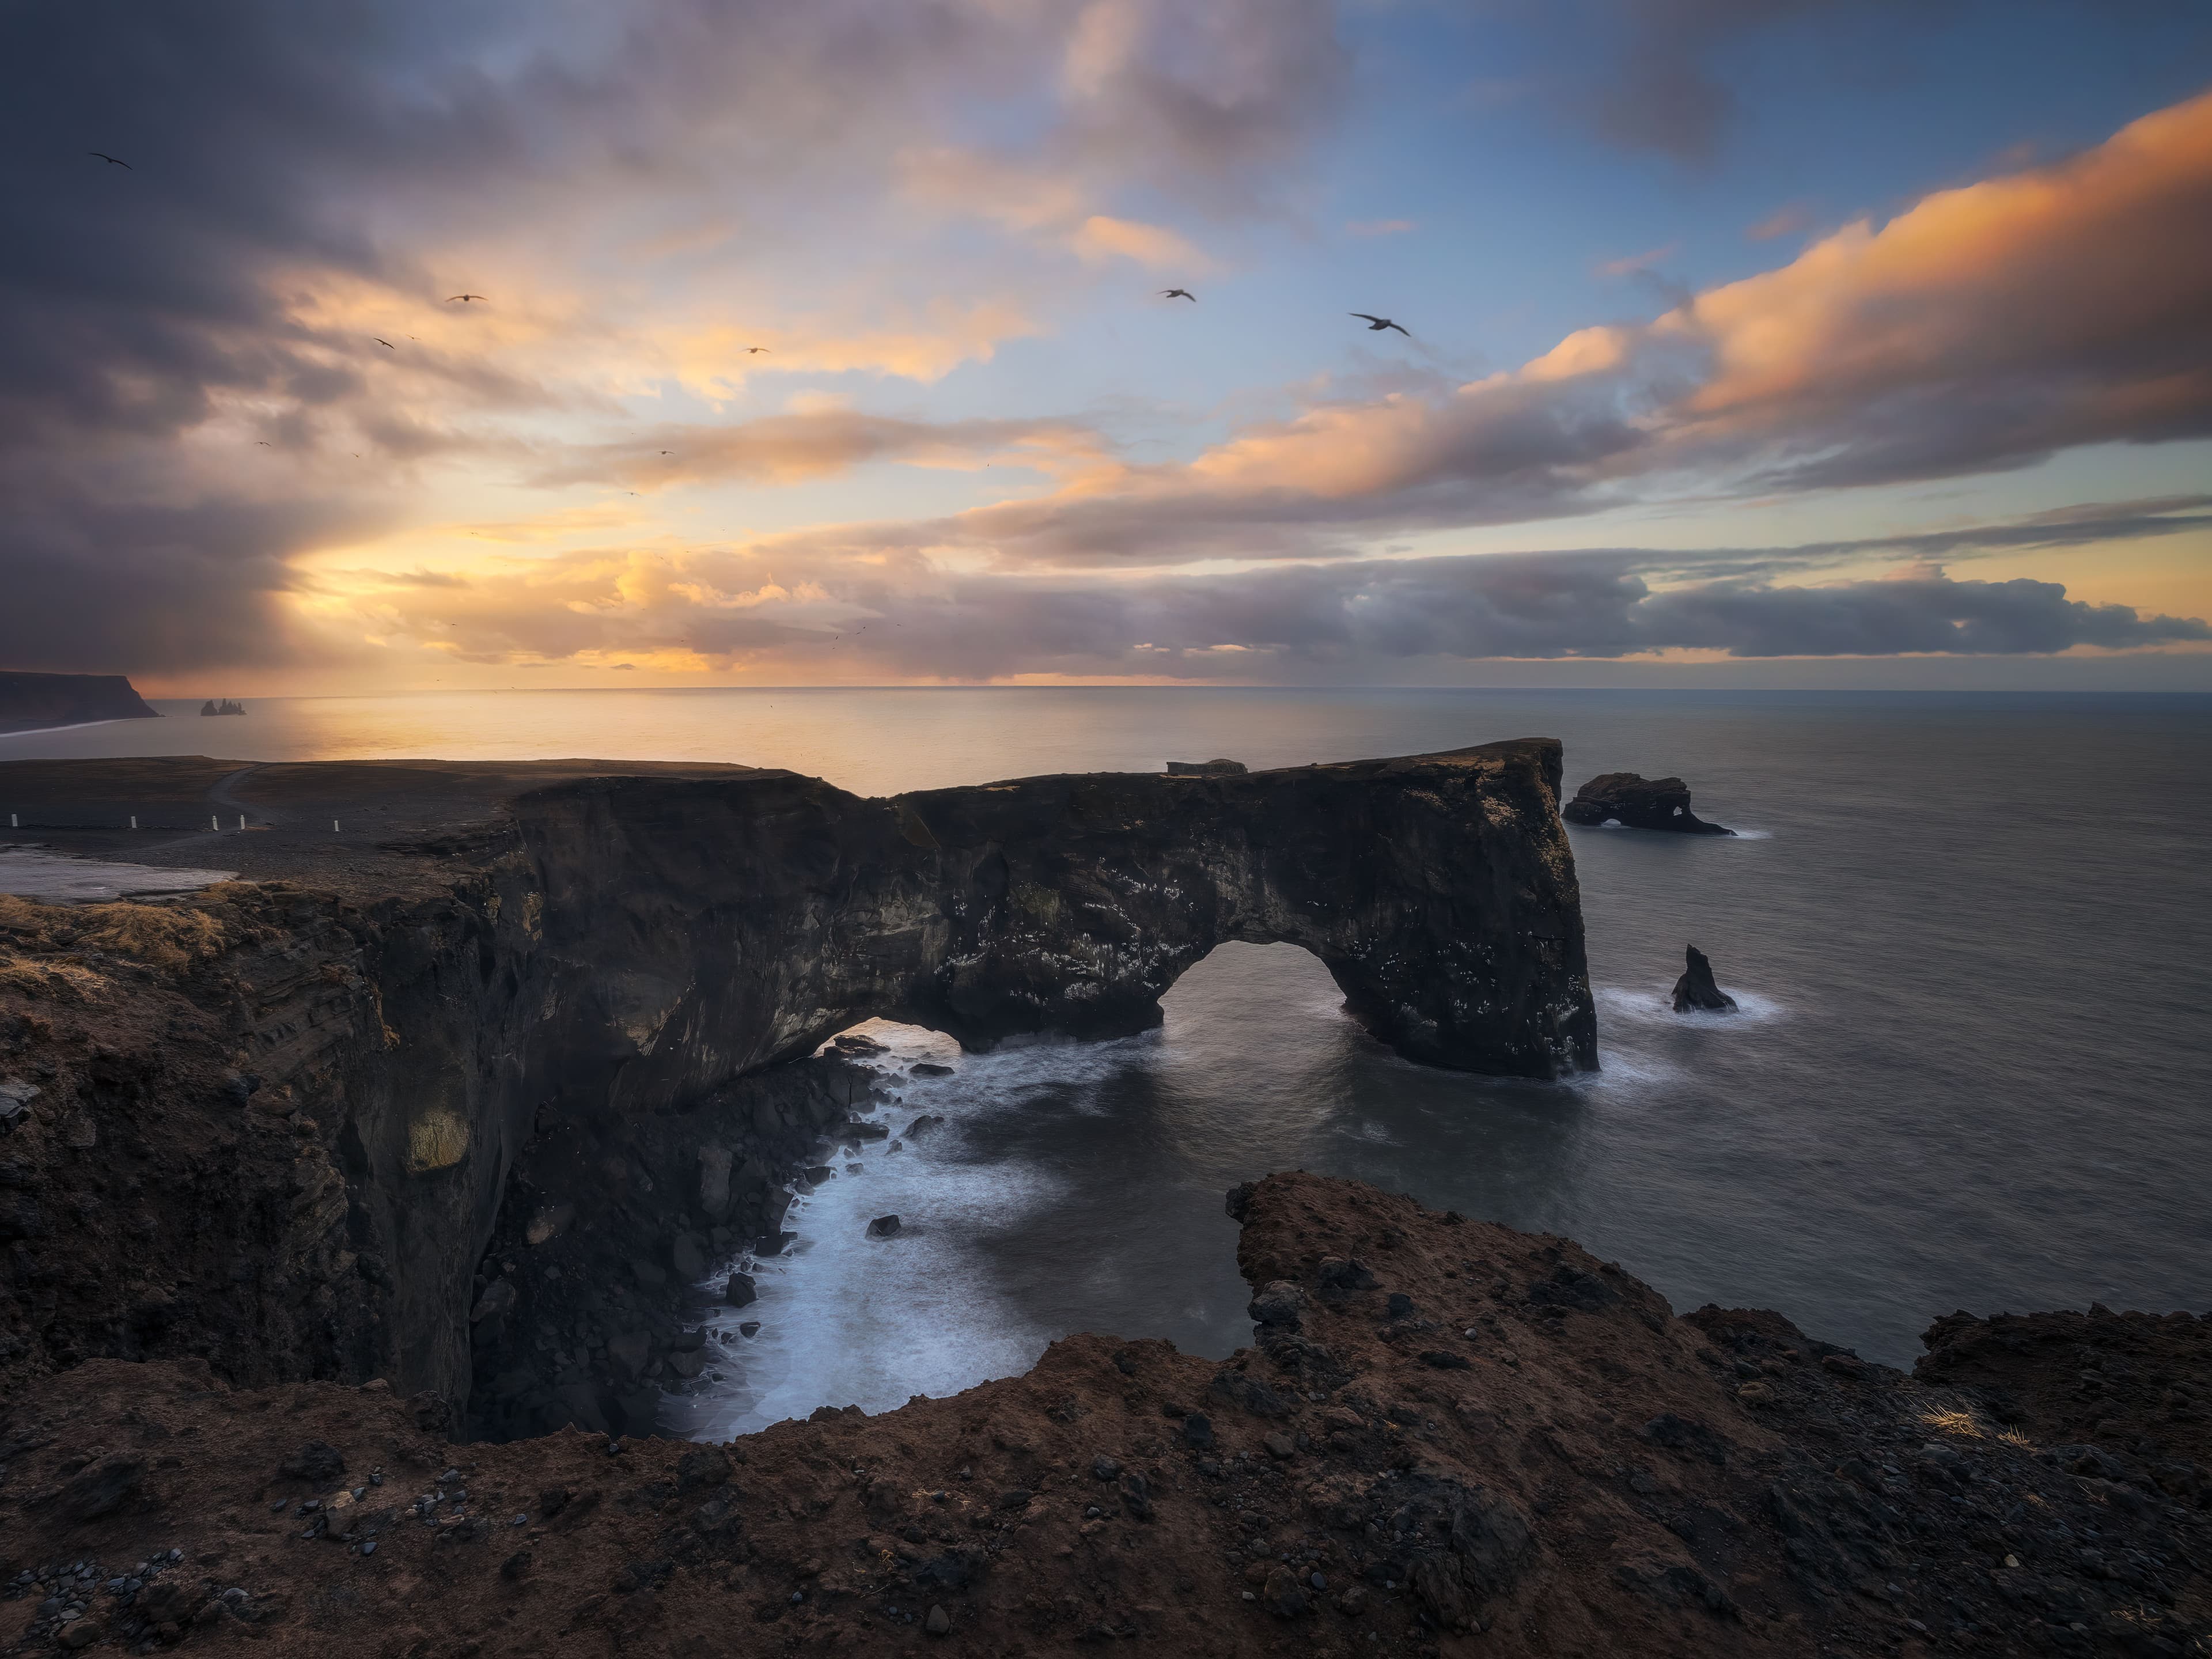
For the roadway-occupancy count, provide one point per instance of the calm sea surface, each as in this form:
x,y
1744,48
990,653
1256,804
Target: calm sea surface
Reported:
x,y
1969,934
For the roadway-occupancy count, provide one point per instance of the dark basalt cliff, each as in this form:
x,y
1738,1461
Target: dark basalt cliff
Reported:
x,y
712,926
29,702
313,1145
1636,802
277,1123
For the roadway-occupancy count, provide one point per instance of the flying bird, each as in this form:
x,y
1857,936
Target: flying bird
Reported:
x,y
1178,294
1376,324
112,160
750,350
386,344
450,298
668,451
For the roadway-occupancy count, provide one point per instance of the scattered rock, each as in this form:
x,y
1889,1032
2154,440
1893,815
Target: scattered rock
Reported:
x,y
740,1291
1696,989
1283,1596
1279,1302
497,1300
925,1123
882,1226
938,1622
101,1487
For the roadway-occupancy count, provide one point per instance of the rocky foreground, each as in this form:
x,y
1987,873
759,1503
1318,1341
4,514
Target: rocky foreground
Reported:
x,y
1447,1437
349,1214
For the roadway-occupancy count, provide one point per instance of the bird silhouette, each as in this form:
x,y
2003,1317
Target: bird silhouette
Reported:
x,y
668,451
1178,294
1375,323
112,160
750,350
386,344
450,298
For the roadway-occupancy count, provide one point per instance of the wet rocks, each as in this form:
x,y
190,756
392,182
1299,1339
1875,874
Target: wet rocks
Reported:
x,y
1636,802
928,1068
1696,989
740,1291
1279,1302
884,1227
923,1124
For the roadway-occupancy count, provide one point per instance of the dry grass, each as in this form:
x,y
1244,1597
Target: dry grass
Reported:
x,y
167,939
63,981
1953,1422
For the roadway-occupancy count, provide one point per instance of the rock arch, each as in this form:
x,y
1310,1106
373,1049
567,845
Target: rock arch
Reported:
x,y
707,927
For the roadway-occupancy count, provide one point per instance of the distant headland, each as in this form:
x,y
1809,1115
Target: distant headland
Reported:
x,y
32,703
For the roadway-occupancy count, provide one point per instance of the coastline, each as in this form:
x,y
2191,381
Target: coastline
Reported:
x,y
72,725
281,1174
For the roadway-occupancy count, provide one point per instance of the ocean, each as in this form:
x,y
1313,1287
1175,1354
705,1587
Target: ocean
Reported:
x,y
1970,1069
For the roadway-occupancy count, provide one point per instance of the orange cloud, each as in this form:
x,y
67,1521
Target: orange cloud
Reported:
x,y
2091,281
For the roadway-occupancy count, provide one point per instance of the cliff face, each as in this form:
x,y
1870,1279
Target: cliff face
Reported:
x,y
31,701
278,1123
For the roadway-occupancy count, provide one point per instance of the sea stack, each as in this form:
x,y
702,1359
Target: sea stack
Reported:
x,y
1696,989
1212,768
1639,803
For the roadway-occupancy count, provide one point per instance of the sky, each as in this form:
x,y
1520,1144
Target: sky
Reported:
x,y
1746,343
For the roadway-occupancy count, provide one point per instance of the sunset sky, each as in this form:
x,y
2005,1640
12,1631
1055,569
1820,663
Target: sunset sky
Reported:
x,y
1752,342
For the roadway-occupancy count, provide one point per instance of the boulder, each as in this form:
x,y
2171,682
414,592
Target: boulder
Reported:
x,y
1696,989
1636,802
739,1292
882,1226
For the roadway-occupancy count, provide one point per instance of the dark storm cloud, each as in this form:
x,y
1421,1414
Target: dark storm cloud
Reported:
x,y
96,581
1367,612
877,614
275,148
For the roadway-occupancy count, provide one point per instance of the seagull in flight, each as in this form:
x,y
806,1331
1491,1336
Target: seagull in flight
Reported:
x,y
1376,324
386,344
112,160
1178,294
750,350
450,298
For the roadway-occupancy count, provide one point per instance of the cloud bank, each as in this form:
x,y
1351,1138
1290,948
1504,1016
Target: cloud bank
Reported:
x,y
238,356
